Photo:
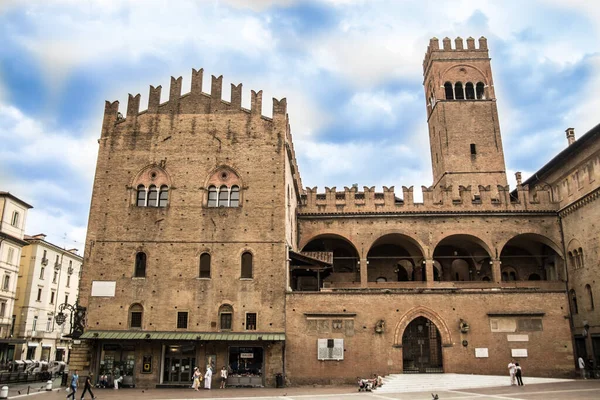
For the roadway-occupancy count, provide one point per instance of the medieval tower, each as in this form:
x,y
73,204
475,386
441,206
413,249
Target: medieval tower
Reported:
x,y
464,133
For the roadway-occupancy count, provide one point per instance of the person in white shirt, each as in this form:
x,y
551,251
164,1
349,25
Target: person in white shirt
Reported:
x,y
512,368
223,377
581,363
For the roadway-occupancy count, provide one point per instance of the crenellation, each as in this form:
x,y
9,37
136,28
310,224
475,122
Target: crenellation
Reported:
x,y
175,90
197,77
458,43
133,105
154,99
279,106
236,96
111,116
447,43
483,43
256,102
408,196
470,43
216,89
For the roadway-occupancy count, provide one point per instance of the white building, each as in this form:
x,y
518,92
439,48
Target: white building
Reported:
x,y
13,214
48,277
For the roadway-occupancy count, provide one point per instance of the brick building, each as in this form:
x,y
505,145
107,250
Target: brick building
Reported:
x,y
203,247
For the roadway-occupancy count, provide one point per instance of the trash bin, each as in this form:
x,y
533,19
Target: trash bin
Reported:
x,y
279,380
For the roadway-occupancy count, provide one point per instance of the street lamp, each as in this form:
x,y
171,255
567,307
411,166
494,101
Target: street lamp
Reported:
x,y
76,318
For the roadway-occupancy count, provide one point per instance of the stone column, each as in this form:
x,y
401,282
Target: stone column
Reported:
x,y
496,271
364,277
429,272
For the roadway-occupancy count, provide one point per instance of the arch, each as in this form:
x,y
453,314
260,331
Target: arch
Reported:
x,y
224,174
461,257
152,174
449,91
246,265
534,237
534,277
459,93
135,317
140,265
395,256
204,265
469,91
422,311
469,237
418,246
381,279
329,235
475,72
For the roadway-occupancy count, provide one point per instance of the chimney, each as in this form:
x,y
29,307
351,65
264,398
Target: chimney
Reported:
x,y
519,180
570,135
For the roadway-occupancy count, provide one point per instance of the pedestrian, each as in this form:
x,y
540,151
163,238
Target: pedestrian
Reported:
x,y
223,377
117,381
511,371
207,377
518,374
581,363
73,385
196,379
87,387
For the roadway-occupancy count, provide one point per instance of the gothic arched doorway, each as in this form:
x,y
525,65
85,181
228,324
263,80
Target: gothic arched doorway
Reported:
x,y
422,347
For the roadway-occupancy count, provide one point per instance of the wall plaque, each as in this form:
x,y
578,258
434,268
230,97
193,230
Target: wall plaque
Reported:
x,y
481,352
147,365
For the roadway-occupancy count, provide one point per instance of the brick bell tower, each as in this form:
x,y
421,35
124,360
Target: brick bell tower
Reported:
x,y
464,133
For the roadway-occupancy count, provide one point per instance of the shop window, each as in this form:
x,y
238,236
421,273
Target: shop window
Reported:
x,y
225,317
140,265
135,316
250,321
246,365
182,320
205,265
247,265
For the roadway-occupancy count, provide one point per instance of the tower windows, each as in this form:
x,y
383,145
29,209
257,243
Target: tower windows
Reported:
x,y
480,91
205,265
136,312
590,297
152,197
573,298
247,265
140,265
224,196
449,91
141,196
163,197
473,149
470,91
459,94
225,317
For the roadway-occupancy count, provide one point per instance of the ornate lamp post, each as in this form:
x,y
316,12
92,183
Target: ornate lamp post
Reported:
x,y
76,318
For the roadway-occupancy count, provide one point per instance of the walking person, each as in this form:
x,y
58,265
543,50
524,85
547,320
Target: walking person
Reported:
x,y
581,364
519,374
73,385
511,372
196,379
87,387
208,377
223,377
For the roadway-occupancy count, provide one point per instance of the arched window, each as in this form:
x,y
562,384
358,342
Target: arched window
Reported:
x,y
509,274
573,298
572,260
152,196
163,198
247,265
381,279
590,297
234,197
535,277
212,196
480,91
225,317
580,254
449,91
459,94
141,196
512,276
470,91
136,312
223,196
576,259
205,265
140,265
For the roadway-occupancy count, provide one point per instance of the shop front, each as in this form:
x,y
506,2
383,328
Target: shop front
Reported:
x,y
168,359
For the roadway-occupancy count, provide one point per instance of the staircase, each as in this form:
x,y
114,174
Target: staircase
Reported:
x,y
405,383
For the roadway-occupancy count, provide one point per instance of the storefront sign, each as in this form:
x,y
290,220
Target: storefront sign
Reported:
x,y
147,365
246,355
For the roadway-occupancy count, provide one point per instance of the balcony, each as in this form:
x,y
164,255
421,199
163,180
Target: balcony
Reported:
x,y
450,285
44,261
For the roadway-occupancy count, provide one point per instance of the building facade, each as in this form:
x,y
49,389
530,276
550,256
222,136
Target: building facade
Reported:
x,y
204,249
13,216
48,277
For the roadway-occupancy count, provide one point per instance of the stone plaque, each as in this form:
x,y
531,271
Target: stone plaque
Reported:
x,y
481,352
517,338
519,352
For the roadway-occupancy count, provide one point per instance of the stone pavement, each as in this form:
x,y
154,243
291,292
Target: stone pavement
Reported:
x,y
571,390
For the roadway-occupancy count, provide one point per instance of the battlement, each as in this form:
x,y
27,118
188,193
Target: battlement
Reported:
x,y
443,199
193,102
458,51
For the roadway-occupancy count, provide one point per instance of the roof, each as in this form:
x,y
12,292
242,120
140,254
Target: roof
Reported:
x,y
320,258
204,336
40,239
556,162
15,198
5,235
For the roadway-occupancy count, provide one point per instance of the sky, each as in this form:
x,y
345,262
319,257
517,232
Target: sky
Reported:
x,y
351,71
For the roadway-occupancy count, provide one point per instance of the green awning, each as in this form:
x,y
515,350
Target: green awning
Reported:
x,y
200,336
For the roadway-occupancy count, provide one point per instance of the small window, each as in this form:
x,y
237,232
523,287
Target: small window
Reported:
x,y
449,91
15,219
135,316
141,196
152,196
39,296
182,320
251,321
6,282
205,265
2,309
470,91
212,196
34,325
473,149
234,197
52,295
590,297
223,196
68,281
459,93
55,277
573,298
163,198
10,255
49,325
140,265
67,298
225,317
247,265
480,91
